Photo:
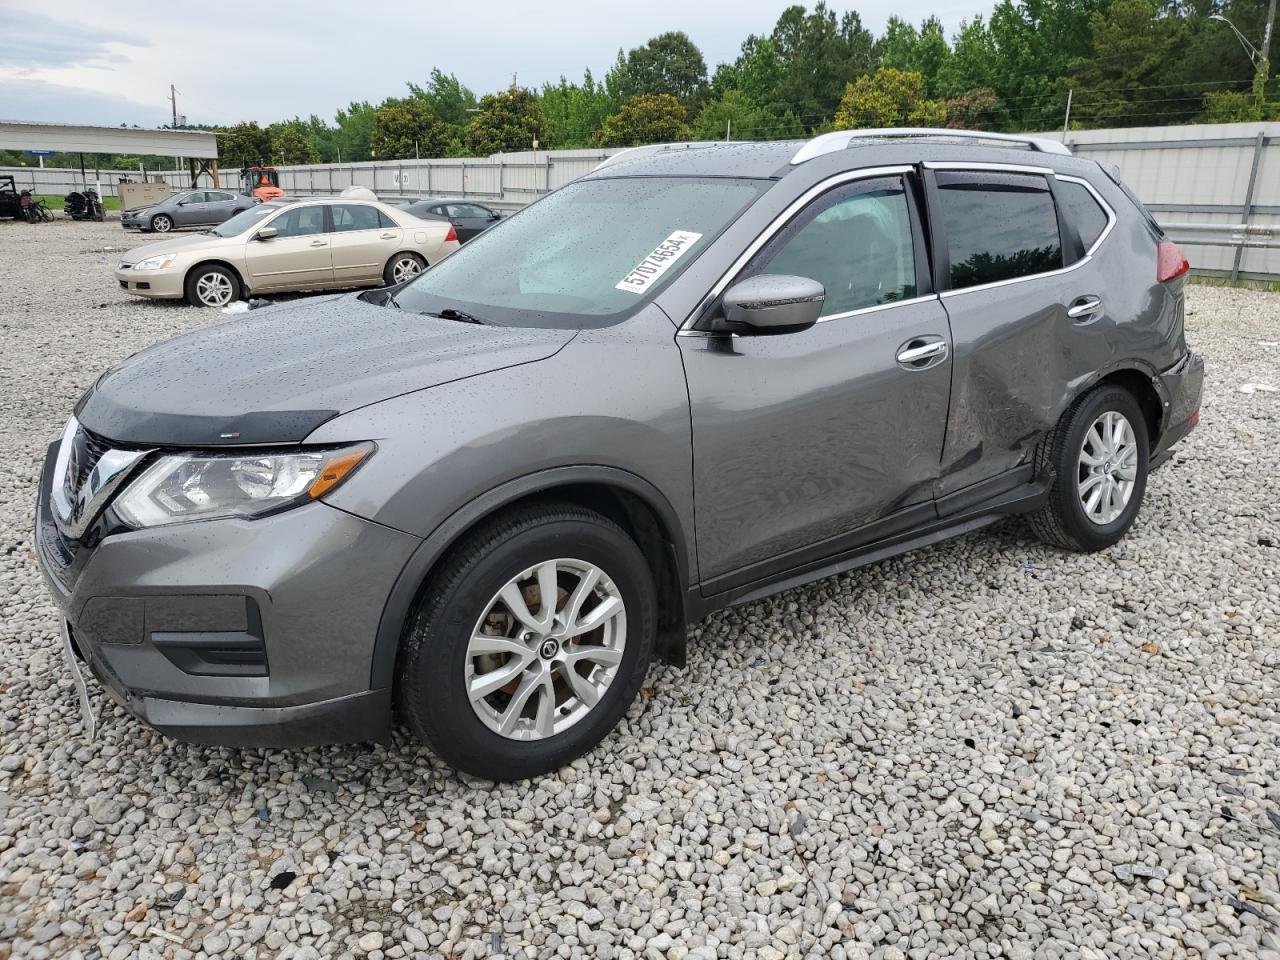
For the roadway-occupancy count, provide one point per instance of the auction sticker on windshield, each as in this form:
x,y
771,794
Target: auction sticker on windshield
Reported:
x,y
644,273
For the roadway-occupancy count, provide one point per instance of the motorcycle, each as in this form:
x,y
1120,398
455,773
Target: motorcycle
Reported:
x,y
84,206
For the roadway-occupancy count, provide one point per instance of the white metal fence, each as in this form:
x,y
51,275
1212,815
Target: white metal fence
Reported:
x,y
1215,186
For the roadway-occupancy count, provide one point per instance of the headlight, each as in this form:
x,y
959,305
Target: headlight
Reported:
x,y
155,263
182,487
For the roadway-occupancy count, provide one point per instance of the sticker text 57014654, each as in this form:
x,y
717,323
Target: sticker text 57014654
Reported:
x,y
647,271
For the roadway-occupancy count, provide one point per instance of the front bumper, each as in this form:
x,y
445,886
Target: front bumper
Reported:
x,y
233,632
164,284
1181,388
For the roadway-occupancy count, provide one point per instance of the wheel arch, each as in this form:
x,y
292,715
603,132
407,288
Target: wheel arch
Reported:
x,y
216,262
629,500
1147,389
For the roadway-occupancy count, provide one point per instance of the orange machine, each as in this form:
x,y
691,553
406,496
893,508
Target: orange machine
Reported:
x,y
260,181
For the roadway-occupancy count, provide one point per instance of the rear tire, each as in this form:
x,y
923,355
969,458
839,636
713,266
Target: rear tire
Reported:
x,y
1099,454
488,691
402,268
161,223
212,286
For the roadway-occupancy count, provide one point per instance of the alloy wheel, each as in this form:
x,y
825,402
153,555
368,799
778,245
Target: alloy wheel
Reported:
x,y
546,649
161,224
214,289
404,269
1108,468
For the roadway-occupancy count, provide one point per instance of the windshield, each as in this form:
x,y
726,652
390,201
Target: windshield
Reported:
x,y
585,255
243,221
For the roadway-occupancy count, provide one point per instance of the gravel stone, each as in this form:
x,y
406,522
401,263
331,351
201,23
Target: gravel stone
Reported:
x,y
988,748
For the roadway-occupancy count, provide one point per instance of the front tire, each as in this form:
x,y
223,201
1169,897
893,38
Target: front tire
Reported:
x,y
402,268
212,286
161,223
504,686
1099,453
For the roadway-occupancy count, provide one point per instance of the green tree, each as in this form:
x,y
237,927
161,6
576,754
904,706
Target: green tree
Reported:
x,y
818,55
889,98
446,97
757,73
669,63
510,120
244,143
1131,45
1230,106
406,128
572,113
648,118
291,143
354,137
971,65
734,116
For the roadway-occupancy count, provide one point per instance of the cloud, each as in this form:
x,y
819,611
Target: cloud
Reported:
x,y
53,102
31,41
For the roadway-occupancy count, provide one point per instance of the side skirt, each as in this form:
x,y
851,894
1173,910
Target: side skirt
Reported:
x,y
1025,498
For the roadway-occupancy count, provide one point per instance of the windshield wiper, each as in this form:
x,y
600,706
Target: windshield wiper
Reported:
x,y
448,313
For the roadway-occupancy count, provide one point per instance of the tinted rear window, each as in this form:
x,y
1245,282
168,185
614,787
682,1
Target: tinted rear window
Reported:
x,y
998,226
1082,210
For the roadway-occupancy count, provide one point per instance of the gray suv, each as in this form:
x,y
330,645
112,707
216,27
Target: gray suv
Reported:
x,y
488,497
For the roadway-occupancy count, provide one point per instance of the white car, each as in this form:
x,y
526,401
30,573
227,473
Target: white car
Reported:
x,y
289,244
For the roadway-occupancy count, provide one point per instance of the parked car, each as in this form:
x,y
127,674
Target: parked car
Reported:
x,y
190,208
690,379
468,217
285,245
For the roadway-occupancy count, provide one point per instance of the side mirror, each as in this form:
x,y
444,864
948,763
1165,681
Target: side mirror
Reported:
x,y
773,303
266,233
494,215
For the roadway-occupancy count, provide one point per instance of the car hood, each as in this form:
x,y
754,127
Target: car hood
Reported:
x,y
192,241
274,375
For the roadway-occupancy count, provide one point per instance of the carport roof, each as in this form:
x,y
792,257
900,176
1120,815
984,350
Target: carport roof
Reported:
x,y
70,138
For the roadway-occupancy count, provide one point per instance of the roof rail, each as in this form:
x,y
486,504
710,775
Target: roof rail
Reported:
x,y
840,139
635,153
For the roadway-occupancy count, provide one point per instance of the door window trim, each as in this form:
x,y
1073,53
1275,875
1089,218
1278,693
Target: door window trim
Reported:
x,y
979,166
781,220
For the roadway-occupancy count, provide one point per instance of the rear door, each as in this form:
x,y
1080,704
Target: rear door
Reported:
x,y
807,444
469,219
190,210
363,241
1026,320
298,256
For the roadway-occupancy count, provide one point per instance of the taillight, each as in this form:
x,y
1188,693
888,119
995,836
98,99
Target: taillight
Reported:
x,y
1170,262
453,235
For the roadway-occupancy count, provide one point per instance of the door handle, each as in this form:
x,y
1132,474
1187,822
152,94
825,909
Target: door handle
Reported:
x,y
1084,307
319,243
916,353
386,236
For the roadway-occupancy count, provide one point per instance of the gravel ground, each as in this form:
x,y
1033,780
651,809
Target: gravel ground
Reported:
x,y
984,749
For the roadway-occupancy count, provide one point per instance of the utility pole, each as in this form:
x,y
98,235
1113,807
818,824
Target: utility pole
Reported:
x,y
1066,120
1264,68
173,102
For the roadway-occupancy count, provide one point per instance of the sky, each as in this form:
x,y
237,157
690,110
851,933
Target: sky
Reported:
x,y
77,62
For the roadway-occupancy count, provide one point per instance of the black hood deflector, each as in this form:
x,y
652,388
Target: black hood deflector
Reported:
x,y
272,376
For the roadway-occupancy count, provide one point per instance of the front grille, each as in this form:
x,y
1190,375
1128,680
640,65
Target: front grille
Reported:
x,y
92,448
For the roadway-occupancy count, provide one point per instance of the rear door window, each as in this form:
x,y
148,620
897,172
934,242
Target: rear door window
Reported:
x,y
353,216
1082,211
997,226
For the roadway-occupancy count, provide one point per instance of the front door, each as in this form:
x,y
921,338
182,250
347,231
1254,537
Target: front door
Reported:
x,y
469,220
298,256
802,441
190,210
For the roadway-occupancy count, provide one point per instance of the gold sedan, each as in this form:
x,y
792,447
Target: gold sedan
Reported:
x,y
290,244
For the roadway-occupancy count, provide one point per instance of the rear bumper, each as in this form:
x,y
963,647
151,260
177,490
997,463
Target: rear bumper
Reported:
x,y
1182,387
236,633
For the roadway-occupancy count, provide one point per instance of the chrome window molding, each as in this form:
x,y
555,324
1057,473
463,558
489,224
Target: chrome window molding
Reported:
x,y
840,139
874,308
780,221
